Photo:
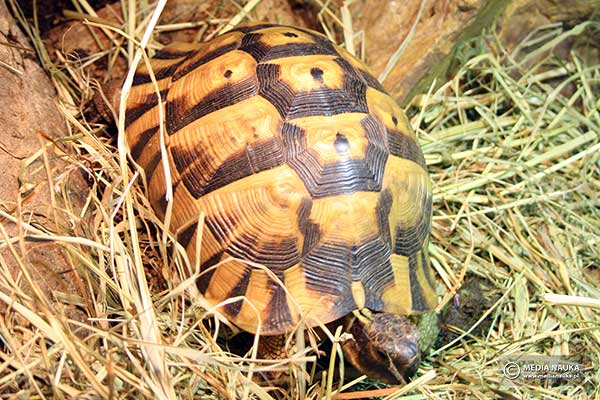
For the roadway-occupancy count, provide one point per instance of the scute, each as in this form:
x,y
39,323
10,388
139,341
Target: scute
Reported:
x,y
313,190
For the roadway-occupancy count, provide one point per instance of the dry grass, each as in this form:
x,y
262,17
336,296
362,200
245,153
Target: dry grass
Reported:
x,y
513,144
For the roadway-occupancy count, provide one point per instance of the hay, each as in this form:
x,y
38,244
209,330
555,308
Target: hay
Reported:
x,y
512,144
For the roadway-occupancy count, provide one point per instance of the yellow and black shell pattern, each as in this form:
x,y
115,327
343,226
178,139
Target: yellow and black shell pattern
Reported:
x,y
314,191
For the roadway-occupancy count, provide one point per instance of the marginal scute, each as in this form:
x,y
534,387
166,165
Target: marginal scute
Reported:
x,y
422,291
309,182
397,296
180,51
205,52
308,302
275,36
361,69
383,107
147,101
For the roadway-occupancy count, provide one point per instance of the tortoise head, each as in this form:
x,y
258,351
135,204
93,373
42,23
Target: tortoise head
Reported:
x,y
107,98
384,346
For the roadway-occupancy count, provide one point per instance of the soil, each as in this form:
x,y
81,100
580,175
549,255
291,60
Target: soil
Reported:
x,y
51,13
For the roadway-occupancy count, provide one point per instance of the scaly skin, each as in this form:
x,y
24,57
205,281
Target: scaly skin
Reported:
x,y
383,346
388,346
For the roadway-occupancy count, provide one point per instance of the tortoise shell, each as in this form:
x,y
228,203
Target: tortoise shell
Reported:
x,y
314,192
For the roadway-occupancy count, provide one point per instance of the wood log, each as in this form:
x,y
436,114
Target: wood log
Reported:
x,y
440,26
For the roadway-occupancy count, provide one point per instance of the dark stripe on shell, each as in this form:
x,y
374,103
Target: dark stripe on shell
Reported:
x,y
309,229
425,264
328,271
233,309
187,234
261,52
141,78
293,139
203,280
151,167
376,153
199,179
142,140
185,156
294,49
325,101
404,147
372,267
409,240
371,81
134,113
348,69
162,205
272,89
179,115
266,154
251,44
203,60
318,37
277,254
252,28
279,311
341,177
419,302
384,205
169,53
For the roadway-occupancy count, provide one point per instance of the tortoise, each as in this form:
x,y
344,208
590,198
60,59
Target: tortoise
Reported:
x,y
314,192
